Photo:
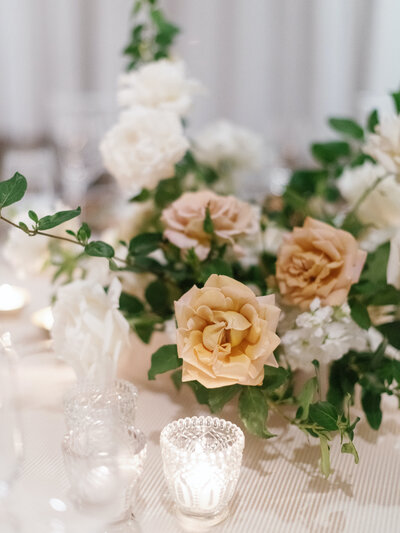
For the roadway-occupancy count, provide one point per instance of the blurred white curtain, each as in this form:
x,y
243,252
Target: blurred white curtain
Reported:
x,y
277,66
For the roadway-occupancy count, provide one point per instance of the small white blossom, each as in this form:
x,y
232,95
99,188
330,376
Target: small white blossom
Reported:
x,y
324,333
227,147
384,144
161,85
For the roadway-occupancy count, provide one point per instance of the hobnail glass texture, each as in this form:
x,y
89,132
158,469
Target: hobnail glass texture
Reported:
x,y
104,469
202,458
88,402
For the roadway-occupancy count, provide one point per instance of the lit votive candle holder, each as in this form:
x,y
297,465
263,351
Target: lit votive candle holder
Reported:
x,y
43,318
202,457
12,298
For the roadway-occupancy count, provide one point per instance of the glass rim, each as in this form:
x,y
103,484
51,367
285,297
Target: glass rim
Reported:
x,y
83,386
237,445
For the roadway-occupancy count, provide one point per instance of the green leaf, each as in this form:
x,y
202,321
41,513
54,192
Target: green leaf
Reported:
x,y
130,304
145,243
274,377
99,249
144,329
84,233
306,397
164,359
347,127
208,224
359,313
342,380
144,195
305,182
51,221
216,266
371,404
396,101
325,415
217,398
12,190
177,379
329,152
167,191
325,457
33,216
200,391
157,296
253,411
348,447
23,226
373,120
391,331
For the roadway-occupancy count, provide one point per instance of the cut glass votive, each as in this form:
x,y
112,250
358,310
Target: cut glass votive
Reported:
x,y
104,473
202,457
88,402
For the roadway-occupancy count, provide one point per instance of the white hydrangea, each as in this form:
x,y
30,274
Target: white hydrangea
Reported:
x,y
381,207
143,148
225,146
324,333
161,84
384,144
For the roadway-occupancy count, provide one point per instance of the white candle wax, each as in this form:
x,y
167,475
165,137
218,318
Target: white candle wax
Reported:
x,y
43,318
12,298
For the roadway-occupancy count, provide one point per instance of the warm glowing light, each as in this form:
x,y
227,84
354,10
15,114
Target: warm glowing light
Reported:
x,y
43,318
12,298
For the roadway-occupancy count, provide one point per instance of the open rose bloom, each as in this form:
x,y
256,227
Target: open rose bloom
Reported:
x,y
318,261
184,221
225,333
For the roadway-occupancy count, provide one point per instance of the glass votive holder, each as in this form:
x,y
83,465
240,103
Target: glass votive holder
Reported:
x,y
104,473
202,458
88,401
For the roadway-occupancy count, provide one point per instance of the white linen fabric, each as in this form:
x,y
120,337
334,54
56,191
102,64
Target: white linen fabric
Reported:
x,y
280,487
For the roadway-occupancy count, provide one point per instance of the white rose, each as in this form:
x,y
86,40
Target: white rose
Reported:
x,y
384,145
143,148
161,84
29,255
225,146
89,332
381,207
393,267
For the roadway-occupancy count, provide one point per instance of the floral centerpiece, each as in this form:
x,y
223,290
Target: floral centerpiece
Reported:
x,y
251,295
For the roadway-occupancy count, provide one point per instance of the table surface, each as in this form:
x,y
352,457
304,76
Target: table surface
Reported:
x,y
280,488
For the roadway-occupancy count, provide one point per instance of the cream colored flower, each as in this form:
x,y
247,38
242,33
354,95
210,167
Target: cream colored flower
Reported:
x,y
225,333
89,331
384,144
393,267
318,261
184,221
143,148
381,207
228,147
161,84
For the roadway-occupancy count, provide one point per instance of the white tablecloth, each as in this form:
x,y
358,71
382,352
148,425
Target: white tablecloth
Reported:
x,y
280,488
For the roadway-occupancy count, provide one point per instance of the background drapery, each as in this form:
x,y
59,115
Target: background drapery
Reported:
x,y
277,66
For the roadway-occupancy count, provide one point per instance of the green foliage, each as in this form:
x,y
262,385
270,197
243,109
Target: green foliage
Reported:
x,y
307,182
217,398
167,191
215,266
145,243
99,249
12,190
84,233
208,224
371,403
359,313
143,196
130,305
347,127
164,359
373,120
396,101
274,377
330,152
253,411
306,397
52,221
157,295
391,331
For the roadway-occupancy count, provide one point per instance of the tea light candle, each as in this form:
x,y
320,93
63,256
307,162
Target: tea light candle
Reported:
x,y
43,318
12,298
202,458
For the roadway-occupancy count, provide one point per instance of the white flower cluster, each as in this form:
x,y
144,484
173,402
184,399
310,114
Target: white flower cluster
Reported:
x,y
227,147
324,333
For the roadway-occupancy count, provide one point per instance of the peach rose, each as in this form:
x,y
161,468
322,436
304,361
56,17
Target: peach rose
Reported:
x,y
184,221
225,333
318,260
